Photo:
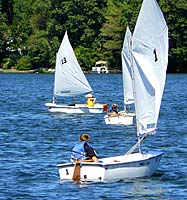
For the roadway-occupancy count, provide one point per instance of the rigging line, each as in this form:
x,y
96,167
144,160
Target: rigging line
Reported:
x,y
136,145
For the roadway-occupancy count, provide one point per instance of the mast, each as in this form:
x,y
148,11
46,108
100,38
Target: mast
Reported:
x,y
134,94
54,95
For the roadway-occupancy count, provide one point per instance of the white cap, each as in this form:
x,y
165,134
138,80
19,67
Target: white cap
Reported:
x,y
89,95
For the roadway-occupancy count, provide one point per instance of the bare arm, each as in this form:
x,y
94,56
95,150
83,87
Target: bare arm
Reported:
x,y
94,158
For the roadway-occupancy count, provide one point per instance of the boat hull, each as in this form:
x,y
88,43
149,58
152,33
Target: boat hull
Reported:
x,y
114,168
75,108
123,118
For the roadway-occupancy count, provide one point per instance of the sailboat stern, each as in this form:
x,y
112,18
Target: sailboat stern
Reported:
x,y
89,171
123,118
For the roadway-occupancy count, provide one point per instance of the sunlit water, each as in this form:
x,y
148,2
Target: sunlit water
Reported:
x,y
33,141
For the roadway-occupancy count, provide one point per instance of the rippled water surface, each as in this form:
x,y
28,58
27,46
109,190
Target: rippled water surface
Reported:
x,y
33,141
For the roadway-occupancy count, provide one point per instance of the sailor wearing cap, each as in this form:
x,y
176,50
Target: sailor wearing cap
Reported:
x,y
90,100
83,150
114,110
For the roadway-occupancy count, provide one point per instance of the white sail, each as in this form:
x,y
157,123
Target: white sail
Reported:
x,y
69,77
150,58
126,68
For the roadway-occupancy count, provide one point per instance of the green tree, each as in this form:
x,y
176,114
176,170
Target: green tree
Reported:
x,y
38,50
175,13
3,28
7,10
24,63
111,34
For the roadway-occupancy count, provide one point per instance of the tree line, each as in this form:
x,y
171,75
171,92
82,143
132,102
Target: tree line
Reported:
x,y
31,31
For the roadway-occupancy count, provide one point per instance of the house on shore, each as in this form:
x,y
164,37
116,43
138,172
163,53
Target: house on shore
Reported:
x,y
100,67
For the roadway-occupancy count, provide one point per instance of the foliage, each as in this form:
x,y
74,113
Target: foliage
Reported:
x,y
24,63
3,28
111,32
175,13
38,49
31,31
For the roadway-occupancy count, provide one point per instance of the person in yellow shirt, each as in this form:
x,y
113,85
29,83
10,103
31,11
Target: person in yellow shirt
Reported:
x,y
90,100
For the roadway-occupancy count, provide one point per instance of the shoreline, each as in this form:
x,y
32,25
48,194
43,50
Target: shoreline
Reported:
x,y
14,71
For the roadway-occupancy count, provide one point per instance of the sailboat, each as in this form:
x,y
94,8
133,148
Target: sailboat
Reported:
x,y
150,55
125,117
70,81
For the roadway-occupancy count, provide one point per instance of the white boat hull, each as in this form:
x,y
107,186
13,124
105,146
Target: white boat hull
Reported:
x,y
76,108
114,168
123,118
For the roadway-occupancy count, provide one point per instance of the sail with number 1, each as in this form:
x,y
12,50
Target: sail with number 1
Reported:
x,y
150,58
70,81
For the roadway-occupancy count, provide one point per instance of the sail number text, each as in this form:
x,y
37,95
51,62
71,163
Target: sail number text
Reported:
x,y
154,52
64,60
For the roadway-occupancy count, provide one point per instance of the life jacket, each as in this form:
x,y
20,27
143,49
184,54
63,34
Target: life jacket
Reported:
x,y
114,110
78,152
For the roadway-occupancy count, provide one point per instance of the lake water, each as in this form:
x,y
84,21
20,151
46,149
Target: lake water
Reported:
x,y
33,141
